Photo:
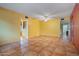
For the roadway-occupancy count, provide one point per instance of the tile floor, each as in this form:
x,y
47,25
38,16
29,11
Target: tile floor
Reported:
x,y
40,46
50,46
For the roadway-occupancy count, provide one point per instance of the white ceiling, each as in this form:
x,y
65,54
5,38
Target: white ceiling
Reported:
x,y
41,9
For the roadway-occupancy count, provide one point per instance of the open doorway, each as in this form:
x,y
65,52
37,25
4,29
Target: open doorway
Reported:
x,y
65,29
66,32
24,32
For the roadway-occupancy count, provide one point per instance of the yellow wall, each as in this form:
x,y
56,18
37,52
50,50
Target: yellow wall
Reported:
x,y
13,19
33,27
66,19
51,27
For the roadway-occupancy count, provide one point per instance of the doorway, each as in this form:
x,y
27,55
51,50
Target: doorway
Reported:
x,y
24,32
66,32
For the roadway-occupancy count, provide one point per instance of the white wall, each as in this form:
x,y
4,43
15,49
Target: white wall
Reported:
x,y
7,34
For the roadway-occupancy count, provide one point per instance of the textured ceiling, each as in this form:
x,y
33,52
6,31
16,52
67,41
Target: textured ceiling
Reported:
x,y
41,9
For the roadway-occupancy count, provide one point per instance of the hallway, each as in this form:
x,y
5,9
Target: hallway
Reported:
x,y
41,46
